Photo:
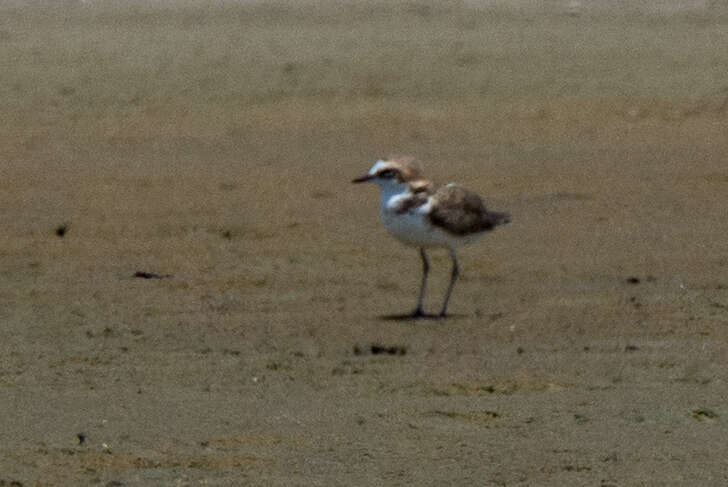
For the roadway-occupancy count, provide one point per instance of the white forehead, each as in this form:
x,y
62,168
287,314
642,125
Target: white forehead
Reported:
x,y
378,166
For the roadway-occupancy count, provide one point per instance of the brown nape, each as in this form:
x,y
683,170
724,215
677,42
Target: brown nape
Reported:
x,y
462,212
422,186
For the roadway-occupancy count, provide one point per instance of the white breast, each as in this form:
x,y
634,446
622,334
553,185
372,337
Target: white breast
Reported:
x,y
411,227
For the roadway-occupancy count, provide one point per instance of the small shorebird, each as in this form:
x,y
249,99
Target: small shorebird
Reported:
x,y
420,215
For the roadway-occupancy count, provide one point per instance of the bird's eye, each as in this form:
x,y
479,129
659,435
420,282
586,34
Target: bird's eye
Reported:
x,y
387,174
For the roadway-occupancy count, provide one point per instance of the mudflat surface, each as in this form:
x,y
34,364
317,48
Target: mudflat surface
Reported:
x,y
213,147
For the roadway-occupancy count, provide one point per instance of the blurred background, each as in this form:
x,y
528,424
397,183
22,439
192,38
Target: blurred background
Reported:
x,y
212,144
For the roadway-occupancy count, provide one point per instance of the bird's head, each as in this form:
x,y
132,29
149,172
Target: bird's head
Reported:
x,y
391,172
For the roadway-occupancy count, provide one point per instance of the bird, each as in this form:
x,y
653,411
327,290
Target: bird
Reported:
x,y
419,214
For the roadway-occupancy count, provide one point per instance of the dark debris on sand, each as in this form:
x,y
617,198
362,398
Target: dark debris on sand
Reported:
x,y
378,349
151,275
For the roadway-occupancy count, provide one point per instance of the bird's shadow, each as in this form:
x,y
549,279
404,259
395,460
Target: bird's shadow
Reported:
x,y
422,317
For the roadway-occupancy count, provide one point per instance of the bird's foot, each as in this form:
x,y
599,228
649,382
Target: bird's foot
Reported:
x,y
418,313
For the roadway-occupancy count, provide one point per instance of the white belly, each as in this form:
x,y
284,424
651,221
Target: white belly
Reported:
x,y
413,228
409,228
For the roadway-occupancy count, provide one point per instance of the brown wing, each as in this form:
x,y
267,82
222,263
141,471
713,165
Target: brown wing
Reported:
x,y
462,212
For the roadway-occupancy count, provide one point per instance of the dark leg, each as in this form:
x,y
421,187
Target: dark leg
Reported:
x,y
453,278
425,270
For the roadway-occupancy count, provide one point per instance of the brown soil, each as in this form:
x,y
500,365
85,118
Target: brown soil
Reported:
x,y
212,148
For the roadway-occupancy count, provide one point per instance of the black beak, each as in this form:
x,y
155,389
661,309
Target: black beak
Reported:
x,y
363,179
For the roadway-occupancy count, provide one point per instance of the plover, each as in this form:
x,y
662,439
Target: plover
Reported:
x,y
420,215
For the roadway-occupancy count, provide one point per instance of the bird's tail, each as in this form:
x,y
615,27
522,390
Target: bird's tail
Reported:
x,y
500,218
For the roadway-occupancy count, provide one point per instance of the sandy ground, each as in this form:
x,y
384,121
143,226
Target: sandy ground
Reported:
x,y
214,147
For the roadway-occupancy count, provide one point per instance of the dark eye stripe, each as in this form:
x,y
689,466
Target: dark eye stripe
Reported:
x,y
387,173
